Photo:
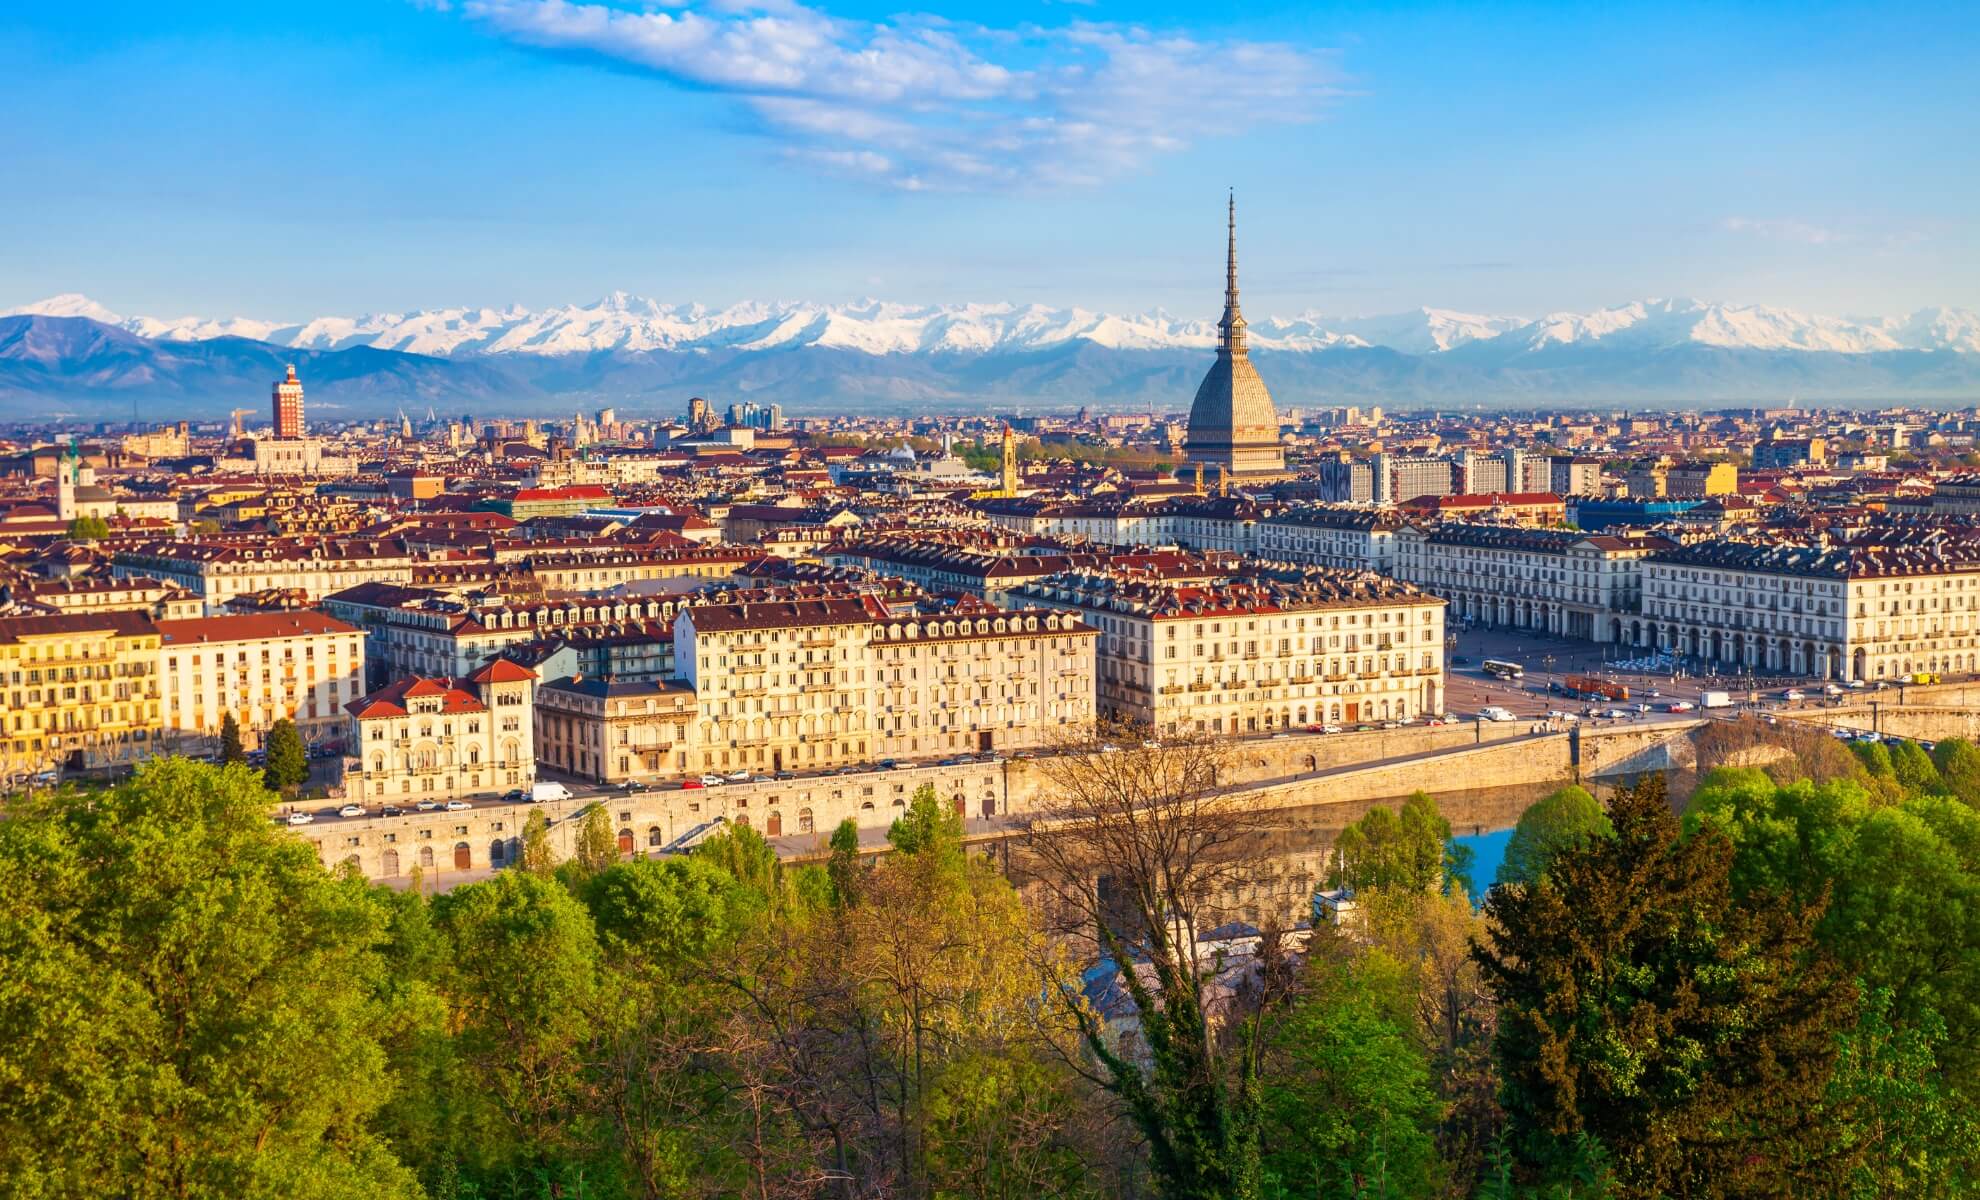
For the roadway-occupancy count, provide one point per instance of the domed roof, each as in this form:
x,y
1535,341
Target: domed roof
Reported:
x,y
1233,423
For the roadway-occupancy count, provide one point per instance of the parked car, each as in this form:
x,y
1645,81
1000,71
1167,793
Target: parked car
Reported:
x,y
784,775
458,806
1794,694
712,781
542,792
1679,706
632,785
1493,712
692,785
351,810
886,764
301,818
516,795
391,810
427,805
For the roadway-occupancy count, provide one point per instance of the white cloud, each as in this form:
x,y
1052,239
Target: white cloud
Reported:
x,y
921,102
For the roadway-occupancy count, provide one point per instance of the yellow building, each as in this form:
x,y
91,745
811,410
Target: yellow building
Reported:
x,y
81,691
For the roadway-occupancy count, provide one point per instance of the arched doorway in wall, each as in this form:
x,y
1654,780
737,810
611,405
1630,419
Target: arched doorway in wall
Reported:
x,y
388,864
990,806
625,841
463,856
805,821
498,852
773,824
426,858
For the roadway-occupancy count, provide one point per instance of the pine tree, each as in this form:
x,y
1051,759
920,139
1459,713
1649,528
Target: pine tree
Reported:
x,y
230,742
1689,1032
288,762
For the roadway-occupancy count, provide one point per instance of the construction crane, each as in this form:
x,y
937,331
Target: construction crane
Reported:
x,y
234,422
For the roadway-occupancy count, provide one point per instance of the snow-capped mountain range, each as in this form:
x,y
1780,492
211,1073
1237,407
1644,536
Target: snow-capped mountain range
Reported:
x,y
632,324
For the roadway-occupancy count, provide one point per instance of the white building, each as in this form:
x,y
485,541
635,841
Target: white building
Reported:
x,y
1575,585
261,667
1273,649
440,739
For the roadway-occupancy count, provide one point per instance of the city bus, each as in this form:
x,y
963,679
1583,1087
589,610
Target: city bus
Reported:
x,y
1499,668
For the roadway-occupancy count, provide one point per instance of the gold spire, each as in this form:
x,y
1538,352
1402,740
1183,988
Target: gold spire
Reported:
x,y
1233,323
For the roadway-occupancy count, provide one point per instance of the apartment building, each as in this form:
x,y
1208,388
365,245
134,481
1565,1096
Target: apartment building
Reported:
x,y
805,684
1273,648
1889,605
216,571
423,738
1574,585
1339,536
261,667
612,730
81,691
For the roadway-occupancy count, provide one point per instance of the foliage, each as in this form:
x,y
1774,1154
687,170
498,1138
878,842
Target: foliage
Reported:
x,y
998,1126
287,761
1958,763
1170,844
843,869
1905,1132
536,856
1349,1102
1690,1032
1901,885
230,741
1409,848
188,1001
597,847
1560,821
88,529
1913,768
928,827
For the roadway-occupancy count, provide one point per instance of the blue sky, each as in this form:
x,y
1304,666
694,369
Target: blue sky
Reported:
x,y
288,160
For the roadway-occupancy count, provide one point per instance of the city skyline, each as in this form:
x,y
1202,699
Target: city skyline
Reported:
x,y
390,157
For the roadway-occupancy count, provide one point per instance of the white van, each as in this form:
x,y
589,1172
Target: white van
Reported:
x,y
1495,713
540,792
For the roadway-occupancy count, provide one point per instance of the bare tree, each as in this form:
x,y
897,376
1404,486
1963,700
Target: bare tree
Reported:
x,y
1139,852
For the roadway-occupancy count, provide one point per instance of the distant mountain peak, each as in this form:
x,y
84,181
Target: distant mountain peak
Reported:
x,y
626,323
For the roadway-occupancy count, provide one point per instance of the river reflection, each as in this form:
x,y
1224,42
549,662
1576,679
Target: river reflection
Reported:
x,y
1294,843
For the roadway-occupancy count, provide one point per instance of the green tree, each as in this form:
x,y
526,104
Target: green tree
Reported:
x,y
1351,1108
230,741
1876,759
522,979
1897,887
1905,1131
997,1129
1913,769
288,762
1561,821
843,867
928,827
1690,1031
1958,761
536,856
189,1003
597,847
88,529
1408,848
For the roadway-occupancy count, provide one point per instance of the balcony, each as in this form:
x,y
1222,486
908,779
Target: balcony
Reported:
x,y
1200,687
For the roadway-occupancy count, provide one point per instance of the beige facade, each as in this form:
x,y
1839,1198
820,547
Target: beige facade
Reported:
x,y
1573,585
1272,651
261,667
1866,612
441,739
80,691
611,731
802,685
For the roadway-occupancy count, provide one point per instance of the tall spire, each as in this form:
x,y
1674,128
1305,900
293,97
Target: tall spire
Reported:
x,y
1233,323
